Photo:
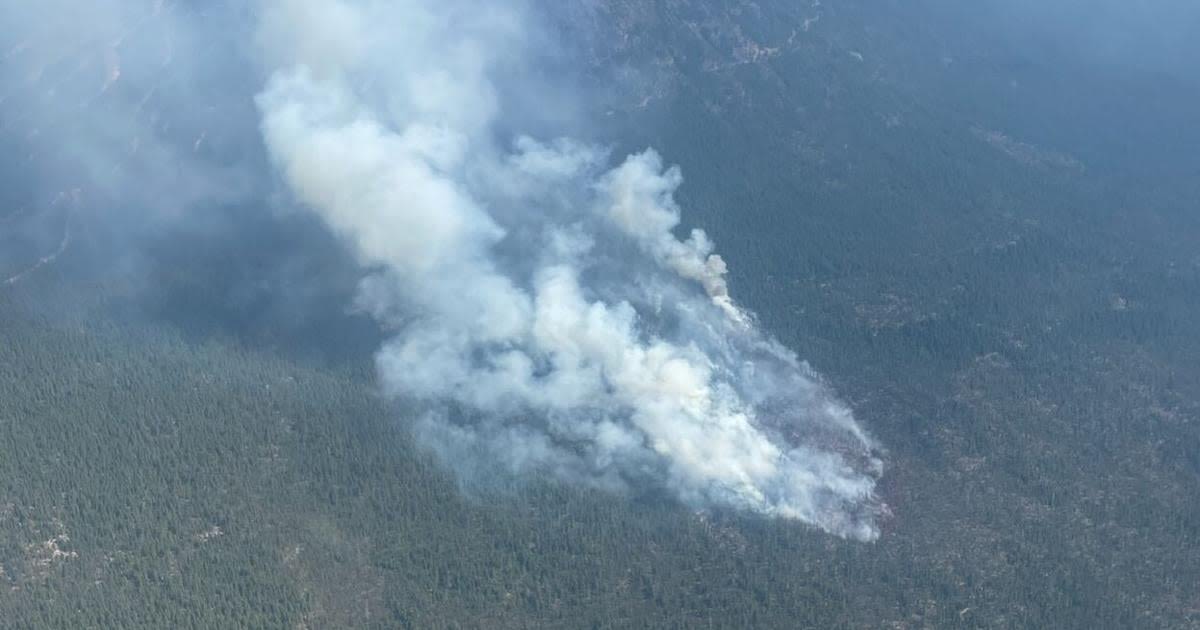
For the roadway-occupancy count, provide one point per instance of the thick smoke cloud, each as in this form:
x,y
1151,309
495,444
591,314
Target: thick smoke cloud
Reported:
x,y
545,309
542,305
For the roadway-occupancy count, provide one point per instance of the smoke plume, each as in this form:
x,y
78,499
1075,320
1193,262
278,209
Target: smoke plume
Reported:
x,y
541,304
545,307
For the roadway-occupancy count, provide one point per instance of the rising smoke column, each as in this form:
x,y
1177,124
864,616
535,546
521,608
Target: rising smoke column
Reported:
x,y
544,311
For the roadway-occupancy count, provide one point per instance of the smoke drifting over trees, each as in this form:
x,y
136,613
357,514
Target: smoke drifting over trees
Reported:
x,y
543,295
541,307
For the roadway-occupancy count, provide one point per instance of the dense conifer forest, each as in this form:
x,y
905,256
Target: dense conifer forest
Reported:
x,y
986,243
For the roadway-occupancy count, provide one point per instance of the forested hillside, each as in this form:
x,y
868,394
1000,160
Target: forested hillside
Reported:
x,y
985,240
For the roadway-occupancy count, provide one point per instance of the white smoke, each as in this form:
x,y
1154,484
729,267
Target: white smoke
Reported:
x,y
543,308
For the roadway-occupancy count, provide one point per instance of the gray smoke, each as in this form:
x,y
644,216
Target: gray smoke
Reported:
x,y
546,310
543,308
120,117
